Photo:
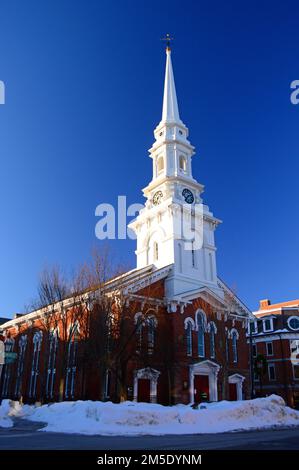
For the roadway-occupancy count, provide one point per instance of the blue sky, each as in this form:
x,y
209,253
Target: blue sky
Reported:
x,y
84,82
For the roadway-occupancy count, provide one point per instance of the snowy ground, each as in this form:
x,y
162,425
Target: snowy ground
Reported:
x,y
128,418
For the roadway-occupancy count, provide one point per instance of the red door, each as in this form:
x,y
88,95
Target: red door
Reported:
x,y
144,390
201,388
233,392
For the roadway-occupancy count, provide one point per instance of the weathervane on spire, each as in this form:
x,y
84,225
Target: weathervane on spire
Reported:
x,y
168,39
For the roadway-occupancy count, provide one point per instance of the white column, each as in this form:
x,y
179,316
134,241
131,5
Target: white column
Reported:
x,y
153,391
135,392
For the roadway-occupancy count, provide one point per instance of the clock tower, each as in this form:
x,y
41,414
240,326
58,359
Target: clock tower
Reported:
x,y
175,228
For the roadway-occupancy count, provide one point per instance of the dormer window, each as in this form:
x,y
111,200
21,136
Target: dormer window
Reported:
x,y
160,165
183,163
268,324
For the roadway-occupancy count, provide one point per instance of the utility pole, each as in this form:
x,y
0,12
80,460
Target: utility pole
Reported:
x,y
251,362
2,360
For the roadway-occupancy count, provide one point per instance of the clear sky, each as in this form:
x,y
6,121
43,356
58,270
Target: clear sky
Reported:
x,y
84,83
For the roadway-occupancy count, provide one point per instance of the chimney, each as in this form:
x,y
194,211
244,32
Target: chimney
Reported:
x,y
264,303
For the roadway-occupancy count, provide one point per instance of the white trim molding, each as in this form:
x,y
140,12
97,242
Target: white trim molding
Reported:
x,y
204,316
270,319
152,375
238,380
209,327
289,321
210,369
189,320
233,330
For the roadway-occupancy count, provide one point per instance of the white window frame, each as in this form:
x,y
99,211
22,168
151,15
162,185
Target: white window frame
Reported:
x,y
160,170
289,320
22,344
51,369
70,379
9,346
189,322
264,324
37,343
189,344
235,346
184,167
212,330
202,325
293,366
151,322
269,342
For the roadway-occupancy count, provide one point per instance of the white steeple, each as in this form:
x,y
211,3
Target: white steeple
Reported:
x,y
170,112
172,194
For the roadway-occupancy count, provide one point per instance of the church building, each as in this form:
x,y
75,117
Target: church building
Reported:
x,y
186,328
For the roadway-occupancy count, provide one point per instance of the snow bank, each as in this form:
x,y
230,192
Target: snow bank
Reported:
x,y
129,418
5,421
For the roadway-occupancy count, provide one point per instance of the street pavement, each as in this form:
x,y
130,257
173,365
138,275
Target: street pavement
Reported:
x,y
27,435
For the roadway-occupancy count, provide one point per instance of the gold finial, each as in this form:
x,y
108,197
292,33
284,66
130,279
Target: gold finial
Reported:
x,y
167,39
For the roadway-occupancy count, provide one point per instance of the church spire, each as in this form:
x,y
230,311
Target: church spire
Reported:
x,y
170,112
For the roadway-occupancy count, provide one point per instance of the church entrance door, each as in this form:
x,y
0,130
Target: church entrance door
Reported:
x,y
144,386
201,388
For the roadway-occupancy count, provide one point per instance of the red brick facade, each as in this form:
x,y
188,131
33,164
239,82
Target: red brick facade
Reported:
x,y
275,341
156,362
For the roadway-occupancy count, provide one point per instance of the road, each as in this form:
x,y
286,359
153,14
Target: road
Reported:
x,y
26,435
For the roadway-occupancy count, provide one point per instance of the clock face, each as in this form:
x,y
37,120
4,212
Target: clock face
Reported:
x,y
188,196
157,198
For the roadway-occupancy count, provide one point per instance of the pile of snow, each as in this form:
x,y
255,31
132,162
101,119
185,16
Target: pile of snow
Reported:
x,y
129,418
5,421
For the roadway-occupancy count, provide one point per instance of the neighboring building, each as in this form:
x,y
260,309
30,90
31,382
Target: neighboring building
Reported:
x,y
187,329
275,337
3,320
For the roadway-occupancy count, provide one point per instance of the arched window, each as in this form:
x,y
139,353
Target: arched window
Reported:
x,y
183,163
156,251
235,349
37,341
51,372
160,165
72,363
20,366
200,320
8,345
189,338
212,330
148,325
227,346
151,327
139,327
234,337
